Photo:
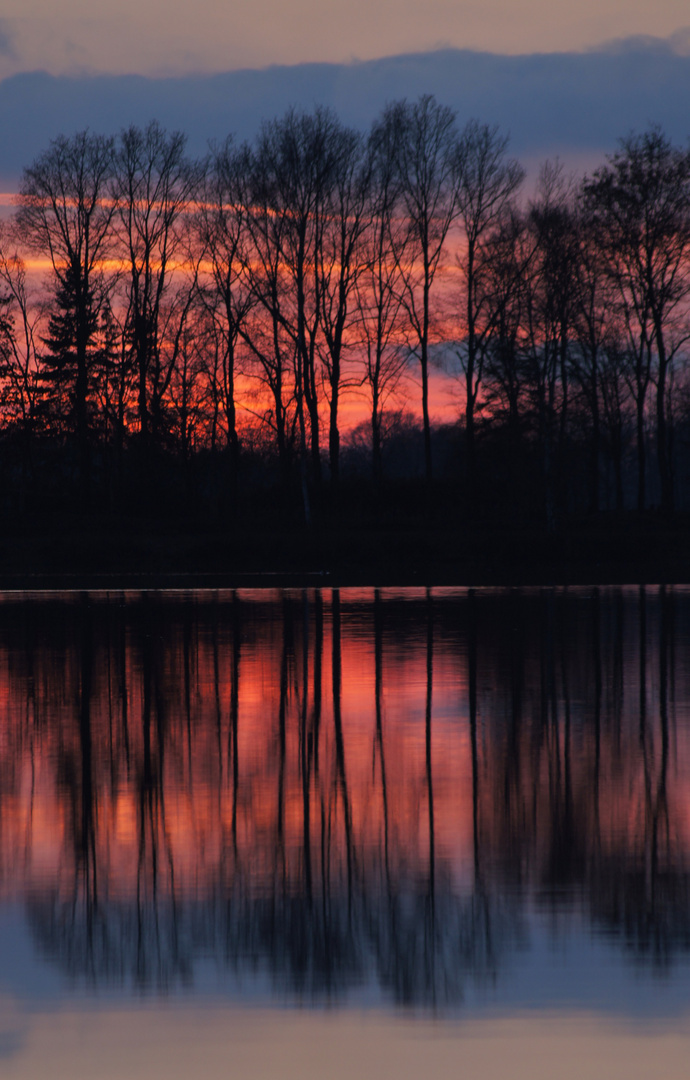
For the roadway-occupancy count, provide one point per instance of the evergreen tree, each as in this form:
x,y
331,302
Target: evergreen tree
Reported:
x,y
65,381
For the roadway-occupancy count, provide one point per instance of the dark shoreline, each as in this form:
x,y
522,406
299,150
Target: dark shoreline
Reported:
x,y
108,555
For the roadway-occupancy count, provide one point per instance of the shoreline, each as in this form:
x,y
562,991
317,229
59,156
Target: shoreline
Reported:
x,y
106,557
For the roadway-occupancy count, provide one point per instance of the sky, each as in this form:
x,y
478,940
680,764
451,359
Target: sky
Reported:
x,y
174,37
560,79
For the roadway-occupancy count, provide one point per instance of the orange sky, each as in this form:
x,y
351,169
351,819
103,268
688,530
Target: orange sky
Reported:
x,y
446,395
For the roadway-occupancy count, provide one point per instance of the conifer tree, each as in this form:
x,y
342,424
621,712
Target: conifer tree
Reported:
x,y
65,380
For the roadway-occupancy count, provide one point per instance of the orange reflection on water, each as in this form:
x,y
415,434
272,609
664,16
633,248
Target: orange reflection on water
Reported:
x,y
340,772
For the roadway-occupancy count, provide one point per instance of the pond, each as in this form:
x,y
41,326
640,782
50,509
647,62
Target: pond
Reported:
x,y
345,833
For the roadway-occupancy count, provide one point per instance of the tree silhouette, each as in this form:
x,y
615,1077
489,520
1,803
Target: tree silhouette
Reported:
x,y
487,183
428,163
151,188
222,234
65,214
641,201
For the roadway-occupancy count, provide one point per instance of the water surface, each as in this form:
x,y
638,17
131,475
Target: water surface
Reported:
x,y
345,833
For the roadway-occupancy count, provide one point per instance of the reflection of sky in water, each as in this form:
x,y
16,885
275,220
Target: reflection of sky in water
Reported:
x,y
567,970
463,806
163,1040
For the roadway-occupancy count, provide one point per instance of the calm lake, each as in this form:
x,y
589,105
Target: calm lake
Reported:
x,y
338,834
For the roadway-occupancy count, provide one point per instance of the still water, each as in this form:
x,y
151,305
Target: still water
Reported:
x,y
345,834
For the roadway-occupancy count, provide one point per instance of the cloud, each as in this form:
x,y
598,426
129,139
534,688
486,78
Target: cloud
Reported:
x,y
573,104
680,41
7,45
677,43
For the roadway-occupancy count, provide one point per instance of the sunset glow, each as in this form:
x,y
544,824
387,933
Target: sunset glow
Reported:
x,y
278,760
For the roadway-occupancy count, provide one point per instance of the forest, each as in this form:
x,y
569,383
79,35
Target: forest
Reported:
x,y
251,341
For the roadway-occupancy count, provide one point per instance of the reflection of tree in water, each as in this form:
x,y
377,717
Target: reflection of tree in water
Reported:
x,y
602,820
651,918
221,794
287,940
120,944
424,961
642,895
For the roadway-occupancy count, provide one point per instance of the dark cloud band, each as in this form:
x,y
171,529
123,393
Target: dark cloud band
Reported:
x,y
565,103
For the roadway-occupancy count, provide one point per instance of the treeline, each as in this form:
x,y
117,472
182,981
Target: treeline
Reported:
x,y
212,316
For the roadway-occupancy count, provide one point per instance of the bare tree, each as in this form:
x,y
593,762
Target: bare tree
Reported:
x,y
153,185
380,287
594,361
221,231
293,171
266,332
427,162
186,394
487,182
615,407
508,256
65,214
641,203
341,260
20,368
19,340
552,311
